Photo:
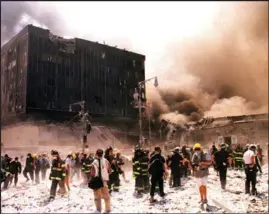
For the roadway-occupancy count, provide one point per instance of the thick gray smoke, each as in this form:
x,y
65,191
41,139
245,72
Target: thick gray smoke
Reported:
x,y
225,70
13,12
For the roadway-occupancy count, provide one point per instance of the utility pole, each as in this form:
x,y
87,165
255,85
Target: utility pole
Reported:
x,y
140,105
85,122
149,117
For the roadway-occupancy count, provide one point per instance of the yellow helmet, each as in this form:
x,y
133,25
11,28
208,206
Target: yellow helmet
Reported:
x,y
117,152
34,155
197,146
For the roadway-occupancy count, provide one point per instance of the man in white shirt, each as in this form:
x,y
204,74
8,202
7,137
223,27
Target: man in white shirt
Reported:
x,y
251,168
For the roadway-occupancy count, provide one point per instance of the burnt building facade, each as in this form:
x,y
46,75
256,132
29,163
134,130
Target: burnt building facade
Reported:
x,y
42,71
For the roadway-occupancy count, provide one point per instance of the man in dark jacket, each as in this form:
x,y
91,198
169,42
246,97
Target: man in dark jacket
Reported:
x,y
29,167
222,161
137,170
157,169
175,167
6,169
15,169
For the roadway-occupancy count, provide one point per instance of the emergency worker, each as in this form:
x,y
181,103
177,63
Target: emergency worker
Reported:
x,y
6,169
251,168
145,174
75,167
221,158
114,176
68,163
158,172
137,170
86,167
57,175
29,167
238,158
175,167
120,163
15,170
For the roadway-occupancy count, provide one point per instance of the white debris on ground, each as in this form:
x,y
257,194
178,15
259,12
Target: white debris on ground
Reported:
x,y
27,198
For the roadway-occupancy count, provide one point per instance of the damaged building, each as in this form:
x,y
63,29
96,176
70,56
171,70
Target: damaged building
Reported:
x,y
40,70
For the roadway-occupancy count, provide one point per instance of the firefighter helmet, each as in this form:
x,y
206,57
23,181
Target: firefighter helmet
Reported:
x,y
197,146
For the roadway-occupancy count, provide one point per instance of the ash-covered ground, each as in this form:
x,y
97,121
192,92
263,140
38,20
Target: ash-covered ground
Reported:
x,y
29,198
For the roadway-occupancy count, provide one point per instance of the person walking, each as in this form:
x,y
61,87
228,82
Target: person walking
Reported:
x,y
221,158
29,167
200,165
158,171
45,165
57,175
252,165
174,164
15,170
101,168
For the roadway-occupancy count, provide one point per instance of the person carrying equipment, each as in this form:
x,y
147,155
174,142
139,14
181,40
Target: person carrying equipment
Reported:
x,y
57,175
221,159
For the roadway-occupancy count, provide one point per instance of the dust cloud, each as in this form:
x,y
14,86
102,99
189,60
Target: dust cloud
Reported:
x,y
222,72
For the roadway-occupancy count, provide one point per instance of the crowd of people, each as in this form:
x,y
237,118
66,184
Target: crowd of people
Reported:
x,y
150,169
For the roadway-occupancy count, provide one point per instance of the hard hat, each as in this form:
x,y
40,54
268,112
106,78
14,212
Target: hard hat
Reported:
x,y
34,155
223,145
177,149
197,146
117,152
252,146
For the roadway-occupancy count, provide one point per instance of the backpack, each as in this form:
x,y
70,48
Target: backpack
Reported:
x,y
156,166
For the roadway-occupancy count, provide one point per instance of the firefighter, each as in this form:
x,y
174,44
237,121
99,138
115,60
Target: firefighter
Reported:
x,y
251,168
45,165
57,175
29,167
86,167
213,151
120,163
175,164
6,170
15,169
37,167
145,174
238,158
114,176
186,160
137,171
221,158
231,157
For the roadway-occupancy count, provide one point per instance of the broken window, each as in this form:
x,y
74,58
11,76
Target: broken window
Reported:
x,y
134,63
103,55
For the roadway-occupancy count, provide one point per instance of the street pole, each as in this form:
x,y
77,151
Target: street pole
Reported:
x,y
149,127
140,115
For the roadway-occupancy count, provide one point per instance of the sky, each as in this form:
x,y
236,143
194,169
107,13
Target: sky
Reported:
x,y
142,27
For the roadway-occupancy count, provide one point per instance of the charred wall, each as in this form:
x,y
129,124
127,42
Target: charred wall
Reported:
x,y
63,71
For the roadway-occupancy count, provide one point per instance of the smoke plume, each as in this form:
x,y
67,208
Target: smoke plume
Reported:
x,y
12,14
224,71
